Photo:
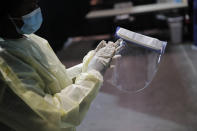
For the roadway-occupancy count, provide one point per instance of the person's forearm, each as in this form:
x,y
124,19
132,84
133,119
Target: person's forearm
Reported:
x,y
75,99
74,71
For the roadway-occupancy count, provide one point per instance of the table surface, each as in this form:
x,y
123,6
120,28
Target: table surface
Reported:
x,y
135,9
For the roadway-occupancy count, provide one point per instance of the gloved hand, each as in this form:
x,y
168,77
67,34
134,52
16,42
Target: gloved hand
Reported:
x,y
104,53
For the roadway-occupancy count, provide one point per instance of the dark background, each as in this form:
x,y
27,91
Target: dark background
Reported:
x,y
66,18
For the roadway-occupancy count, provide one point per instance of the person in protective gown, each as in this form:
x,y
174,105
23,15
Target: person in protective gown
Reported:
x,y
37,92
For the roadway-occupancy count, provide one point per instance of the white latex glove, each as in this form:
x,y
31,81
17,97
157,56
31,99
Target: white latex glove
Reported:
x,y
103,55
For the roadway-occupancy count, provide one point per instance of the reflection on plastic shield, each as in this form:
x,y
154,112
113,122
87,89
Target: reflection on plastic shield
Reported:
x,y
135,69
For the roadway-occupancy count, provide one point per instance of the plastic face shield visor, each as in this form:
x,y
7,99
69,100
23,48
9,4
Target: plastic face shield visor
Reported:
x,y
141,56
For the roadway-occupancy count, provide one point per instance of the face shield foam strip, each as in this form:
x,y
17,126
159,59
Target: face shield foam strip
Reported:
x,y
141,40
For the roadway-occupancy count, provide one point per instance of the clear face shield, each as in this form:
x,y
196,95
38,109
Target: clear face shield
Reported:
x,y
141,56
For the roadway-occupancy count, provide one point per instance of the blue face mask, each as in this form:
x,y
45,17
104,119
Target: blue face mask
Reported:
x,y
32,22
